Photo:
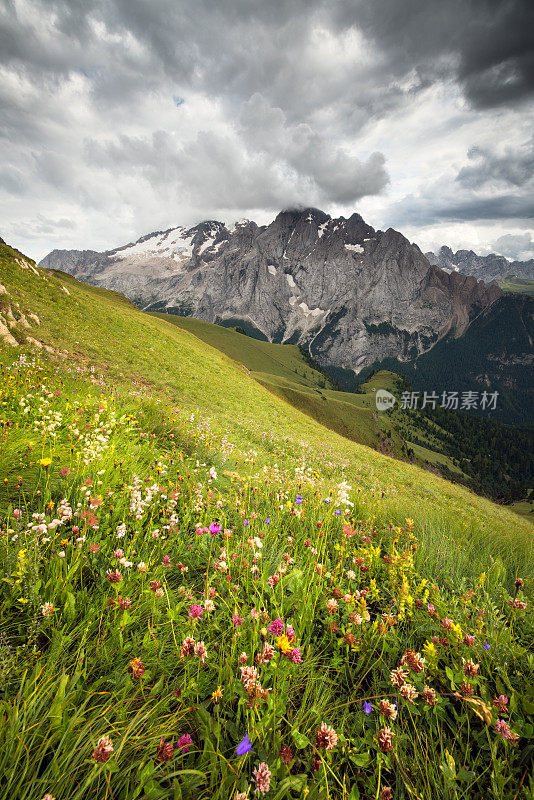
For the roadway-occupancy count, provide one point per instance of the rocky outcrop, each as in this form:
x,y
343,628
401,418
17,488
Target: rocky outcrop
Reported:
x,y
354,296
486,268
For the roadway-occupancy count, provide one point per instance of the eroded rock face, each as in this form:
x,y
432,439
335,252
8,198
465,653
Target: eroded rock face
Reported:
x,y
354,296
486,268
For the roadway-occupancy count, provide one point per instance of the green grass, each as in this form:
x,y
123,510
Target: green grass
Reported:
x,y
285,361
284,371
524,508
132,433
161,360
520,285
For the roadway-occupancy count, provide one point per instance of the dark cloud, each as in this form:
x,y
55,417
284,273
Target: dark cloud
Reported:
x,y
246,46
514,167
430,208
253,105
486,45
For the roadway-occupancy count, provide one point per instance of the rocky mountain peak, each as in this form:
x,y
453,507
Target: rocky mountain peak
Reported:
x,y
351,294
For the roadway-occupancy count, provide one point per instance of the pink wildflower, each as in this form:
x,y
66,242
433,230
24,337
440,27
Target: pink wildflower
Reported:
x,y
276,627
103,750
326,737
501,704
200,651
114,576
502,727
195,612
262,778
266,654
184,743
331,605
188,647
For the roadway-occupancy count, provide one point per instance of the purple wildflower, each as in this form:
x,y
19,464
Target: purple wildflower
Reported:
x,y
244,746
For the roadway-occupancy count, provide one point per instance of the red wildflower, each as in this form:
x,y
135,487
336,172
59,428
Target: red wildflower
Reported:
x,y
165,750
103,750
137,667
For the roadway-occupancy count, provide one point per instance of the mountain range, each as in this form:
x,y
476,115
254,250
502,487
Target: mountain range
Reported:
x,y
485,268
356,298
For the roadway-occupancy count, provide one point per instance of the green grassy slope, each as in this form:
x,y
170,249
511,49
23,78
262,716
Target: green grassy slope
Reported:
x,y
164,518
163,361
285,361
284,371
520,285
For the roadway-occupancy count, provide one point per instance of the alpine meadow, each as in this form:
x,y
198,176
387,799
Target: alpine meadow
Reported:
x,y
266,400
193,566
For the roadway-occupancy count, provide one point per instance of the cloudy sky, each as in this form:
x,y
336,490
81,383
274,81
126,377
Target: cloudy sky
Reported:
x,y
120,117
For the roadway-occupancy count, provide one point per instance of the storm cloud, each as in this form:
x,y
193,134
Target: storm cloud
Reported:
x,y
124,116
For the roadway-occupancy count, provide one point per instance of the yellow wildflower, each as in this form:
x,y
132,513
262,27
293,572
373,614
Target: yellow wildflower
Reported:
x,y
456,631
284,644
430,653
373,589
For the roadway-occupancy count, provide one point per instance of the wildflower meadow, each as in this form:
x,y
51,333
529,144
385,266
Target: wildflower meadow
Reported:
x,y
204,593
179,621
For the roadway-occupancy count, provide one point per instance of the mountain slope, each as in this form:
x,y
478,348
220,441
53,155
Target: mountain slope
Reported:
x,y
353,295
485,268
191,569
496,353
481,453
99,328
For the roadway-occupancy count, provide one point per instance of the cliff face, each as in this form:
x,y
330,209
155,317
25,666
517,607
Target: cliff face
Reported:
x,y
486,268
353,295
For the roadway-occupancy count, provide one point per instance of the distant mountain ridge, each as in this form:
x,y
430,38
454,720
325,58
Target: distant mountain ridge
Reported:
x,y
488,268
353,296
306,278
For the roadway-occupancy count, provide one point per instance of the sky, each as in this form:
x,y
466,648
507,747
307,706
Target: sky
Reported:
x,y
122,117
